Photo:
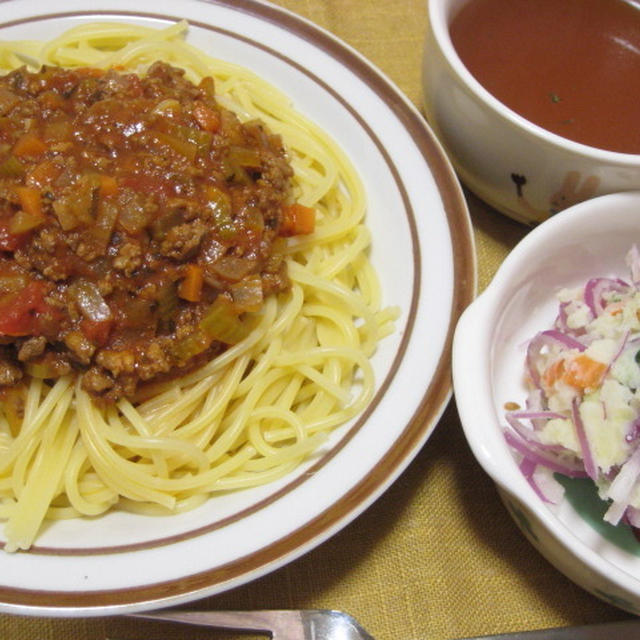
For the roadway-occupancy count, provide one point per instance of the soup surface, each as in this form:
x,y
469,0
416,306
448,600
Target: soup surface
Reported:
x,y
570,66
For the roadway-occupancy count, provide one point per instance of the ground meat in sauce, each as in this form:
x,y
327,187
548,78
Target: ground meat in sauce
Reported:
x,y
139,223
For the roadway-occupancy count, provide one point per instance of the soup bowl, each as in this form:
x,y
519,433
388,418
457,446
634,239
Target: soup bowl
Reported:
x,y
517,167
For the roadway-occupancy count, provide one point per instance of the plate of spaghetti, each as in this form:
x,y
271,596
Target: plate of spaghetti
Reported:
x,y
231,259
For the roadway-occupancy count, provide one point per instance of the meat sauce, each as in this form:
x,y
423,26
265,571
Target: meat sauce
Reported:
x,y
570,66
141,225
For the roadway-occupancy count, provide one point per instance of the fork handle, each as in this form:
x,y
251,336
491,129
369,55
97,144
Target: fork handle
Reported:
x,y
237,620
279,624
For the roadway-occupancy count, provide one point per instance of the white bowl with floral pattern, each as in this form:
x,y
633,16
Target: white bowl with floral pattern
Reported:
x,y
587,240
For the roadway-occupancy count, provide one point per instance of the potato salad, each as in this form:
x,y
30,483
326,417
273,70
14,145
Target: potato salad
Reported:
x,y
582,414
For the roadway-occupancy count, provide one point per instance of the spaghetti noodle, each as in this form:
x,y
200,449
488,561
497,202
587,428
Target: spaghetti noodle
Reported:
x,y
254,412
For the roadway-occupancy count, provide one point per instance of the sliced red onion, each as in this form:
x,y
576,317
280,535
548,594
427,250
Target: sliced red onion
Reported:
x,y
595,289
541,480
533,415
538,420
537,455
550,488
530,435
546,339
633,262
536,402
533,351
633,516
564,339
633,433
562,317
587,457
527,468
615,513
621,488
562,322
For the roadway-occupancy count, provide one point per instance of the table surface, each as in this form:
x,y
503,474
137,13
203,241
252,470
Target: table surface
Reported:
x,y
437,556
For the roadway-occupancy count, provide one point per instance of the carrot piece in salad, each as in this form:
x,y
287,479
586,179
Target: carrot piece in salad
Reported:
x,y
615,309
584,372
553,372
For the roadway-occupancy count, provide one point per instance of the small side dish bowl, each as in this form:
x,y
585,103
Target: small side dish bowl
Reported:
x,y
587,240
519,168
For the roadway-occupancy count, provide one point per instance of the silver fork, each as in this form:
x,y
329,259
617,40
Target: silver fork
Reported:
x,y
308,624
327,624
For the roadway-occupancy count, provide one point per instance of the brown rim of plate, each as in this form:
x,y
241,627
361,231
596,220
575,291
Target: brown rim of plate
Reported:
x,y
426,414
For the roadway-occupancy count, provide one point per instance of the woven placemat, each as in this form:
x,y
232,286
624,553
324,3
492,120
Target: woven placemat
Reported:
x,y
437,556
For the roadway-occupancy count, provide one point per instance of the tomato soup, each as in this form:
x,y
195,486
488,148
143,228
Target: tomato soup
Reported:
x,y
570,66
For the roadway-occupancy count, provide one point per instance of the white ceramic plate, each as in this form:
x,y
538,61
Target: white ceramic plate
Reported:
x,y
423,251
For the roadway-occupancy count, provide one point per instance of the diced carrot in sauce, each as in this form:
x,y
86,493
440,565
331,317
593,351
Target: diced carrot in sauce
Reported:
x,y
191,286
583,372
30,200
43,174
30,215
207,118
148,184
90,72
51,100
297,220
108,186
29,145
